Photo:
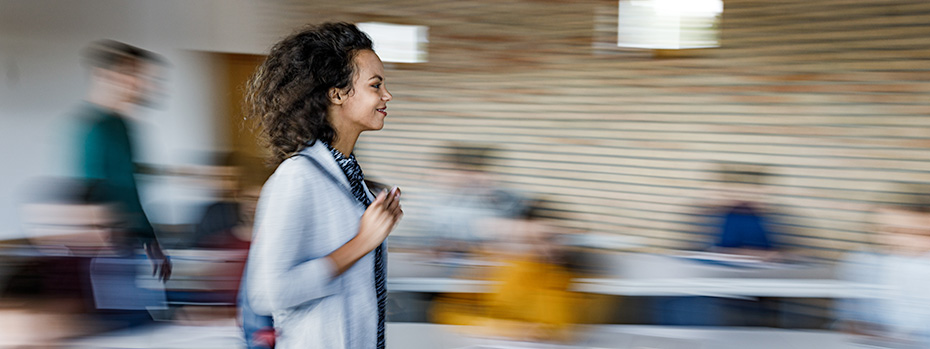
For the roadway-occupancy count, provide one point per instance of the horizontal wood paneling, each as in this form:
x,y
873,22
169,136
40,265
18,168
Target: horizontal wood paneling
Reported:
x,y
829,96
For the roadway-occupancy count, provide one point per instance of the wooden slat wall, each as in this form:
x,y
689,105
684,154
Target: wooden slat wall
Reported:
x,y
829,96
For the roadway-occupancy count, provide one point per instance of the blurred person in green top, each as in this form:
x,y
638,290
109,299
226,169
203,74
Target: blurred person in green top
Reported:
x,y
122,78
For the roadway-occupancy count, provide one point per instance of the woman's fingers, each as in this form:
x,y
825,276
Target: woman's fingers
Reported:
x,y
393,203
377,205
397,212
379,199
384,212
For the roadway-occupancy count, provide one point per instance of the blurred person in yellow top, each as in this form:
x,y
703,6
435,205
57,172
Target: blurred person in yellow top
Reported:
x,y
530,297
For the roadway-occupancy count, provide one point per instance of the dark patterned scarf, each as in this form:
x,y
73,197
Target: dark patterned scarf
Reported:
x,y
354,173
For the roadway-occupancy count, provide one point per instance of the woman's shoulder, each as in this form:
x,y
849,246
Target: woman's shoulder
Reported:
x,y
295,168
299,170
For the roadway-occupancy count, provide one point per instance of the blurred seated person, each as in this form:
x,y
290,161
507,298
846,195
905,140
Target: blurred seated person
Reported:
x,y
223,234
899,263
531,298
83,267
227,225
743,226
69,217
465,199
217,227
743,230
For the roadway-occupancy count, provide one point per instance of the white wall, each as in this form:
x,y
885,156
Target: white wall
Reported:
x,y
41,81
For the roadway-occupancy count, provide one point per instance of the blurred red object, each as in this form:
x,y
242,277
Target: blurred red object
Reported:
x,y
264,337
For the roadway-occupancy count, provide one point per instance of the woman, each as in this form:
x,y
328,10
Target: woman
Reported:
x,y
317,263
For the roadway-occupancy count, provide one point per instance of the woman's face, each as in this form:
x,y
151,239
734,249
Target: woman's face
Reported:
x,y
365,106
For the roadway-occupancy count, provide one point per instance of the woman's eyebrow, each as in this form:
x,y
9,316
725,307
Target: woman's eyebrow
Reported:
x,y
376,76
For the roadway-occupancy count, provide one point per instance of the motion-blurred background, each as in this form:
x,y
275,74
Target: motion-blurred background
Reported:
x,y
641,133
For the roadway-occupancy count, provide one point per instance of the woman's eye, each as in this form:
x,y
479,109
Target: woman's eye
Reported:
x,y
376,86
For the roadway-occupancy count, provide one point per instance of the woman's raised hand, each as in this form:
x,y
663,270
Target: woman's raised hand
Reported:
x,y
377,223
380,218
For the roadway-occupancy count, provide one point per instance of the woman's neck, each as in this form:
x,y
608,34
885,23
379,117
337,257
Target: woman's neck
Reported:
x,y
345,144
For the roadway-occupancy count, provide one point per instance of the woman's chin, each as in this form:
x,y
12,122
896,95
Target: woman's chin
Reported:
x,y
377,127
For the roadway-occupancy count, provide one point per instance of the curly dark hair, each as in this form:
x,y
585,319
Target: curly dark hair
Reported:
x,y
287,95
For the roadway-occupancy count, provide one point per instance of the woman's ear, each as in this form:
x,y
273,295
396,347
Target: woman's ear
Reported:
x,y
336,96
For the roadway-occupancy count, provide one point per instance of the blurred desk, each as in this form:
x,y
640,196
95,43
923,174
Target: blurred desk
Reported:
x,y
631,274
205,269
433,336
414,272
707,287
225,335
608,242
688,264
729,288
437,285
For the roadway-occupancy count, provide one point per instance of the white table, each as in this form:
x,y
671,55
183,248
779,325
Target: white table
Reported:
x,y
167,336
433,336
649,275
724,288
438,285
730,288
